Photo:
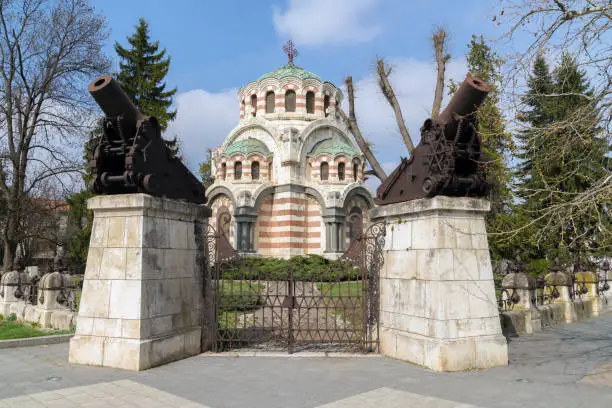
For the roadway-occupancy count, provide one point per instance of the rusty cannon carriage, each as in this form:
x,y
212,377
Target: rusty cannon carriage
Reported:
x,y
131,156
448,159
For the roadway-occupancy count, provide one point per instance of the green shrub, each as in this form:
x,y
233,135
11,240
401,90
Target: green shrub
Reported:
x,y
12,317
304,268
1,316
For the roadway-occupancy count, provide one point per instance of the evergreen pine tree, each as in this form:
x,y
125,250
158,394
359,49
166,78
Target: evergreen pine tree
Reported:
x,y
484,63
563,152
143,68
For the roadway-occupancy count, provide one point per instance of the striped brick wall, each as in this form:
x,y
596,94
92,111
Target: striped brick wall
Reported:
x,y
315,168
279,99
230,163
289,224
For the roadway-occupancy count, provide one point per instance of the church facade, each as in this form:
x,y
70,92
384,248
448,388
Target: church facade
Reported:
x,y
288,178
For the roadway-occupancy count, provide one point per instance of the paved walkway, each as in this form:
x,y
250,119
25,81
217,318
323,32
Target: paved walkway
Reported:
x,y
568,366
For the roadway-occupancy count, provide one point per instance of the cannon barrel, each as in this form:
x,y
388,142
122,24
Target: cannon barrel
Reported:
x,y
468,98
114,101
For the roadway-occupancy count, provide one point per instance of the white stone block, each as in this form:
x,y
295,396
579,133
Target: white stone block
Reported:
x,y
126,300
113,263
126,354
88,350
116,232
133,232
156,233
95,298
465,264
435,264
401,239
84,325
94,261
106,327
400,264
98,233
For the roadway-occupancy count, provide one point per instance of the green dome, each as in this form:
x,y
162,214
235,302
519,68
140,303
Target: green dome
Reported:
x,y
246,146
290,70
333,147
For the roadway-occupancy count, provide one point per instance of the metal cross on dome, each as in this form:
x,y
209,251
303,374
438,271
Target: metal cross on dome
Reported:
x,y
291,51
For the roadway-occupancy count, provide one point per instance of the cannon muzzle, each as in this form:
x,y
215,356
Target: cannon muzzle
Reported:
x,y
114,101
466,101
448,159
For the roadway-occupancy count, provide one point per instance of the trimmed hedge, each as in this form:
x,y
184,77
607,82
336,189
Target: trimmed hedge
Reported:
x,y
305,268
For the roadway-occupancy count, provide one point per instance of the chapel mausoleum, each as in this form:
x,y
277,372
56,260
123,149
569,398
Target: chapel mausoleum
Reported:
x,y
289,179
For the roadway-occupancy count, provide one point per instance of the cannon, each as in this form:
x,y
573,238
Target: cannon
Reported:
x,y
448,158
131,156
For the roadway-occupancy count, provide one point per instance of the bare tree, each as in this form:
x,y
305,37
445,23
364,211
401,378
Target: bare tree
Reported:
x,y
353,127
384,71
439,39
48,50
387,90
582,28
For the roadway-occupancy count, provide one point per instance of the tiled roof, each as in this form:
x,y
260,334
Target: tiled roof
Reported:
x,y
290,70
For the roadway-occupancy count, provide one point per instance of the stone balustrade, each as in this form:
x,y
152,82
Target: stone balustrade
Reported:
x,y
49,301
559,298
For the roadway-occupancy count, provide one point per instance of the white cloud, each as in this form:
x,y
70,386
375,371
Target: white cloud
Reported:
x,y
203,121
413,82
316,22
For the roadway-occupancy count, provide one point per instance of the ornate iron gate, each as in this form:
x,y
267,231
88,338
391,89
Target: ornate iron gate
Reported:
x,y
262,307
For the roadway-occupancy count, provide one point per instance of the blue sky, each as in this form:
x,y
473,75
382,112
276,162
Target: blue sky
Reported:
x,y
218,46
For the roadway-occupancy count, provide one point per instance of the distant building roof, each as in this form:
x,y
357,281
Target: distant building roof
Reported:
x,y
333,147
290,70
246,146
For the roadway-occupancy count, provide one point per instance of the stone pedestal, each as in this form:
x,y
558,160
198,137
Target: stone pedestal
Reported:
x,y
438,307
141,303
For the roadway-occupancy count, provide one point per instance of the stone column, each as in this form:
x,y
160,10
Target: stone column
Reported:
x,y
438,307
588,284
520,292
558,286
141,304
245,222
10,291
334,221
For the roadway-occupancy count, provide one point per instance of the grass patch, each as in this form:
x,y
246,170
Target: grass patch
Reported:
x,y
10,330
341,289
239,295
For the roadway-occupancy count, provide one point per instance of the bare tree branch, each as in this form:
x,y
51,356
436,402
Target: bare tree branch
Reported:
x,y
387,90
439,39
353,127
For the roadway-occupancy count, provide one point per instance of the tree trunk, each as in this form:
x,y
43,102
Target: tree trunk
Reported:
x,y
353,127
439,41
387,90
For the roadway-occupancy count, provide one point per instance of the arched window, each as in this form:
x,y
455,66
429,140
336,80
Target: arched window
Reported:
x,y
254,104
224,220
355,224
324,171
326,105
310,102
355,171
290,101
255,170
270,169
270,102
237,170
341,167
223,171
